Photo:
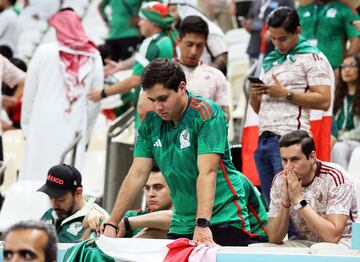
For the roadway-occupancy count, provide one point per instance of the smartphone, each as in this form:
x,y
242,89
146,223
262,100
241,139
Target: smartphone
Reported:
x,y
255,80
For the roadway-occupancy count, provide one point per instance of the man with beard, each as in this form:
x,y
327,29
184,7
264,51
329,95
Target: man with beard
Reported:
x,y
69,206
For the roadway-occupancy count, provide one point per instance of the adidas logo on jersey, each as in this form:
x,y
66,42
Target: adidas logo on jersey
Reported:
x,y
157,143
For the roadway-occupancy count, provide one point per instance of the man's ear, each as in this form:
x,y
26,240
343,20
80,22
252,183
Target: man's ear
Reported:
x,y
79,191
298,30
312,156
182,86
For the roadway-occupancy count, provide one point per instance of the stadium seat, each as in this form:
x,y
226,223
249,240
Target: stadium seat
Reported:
x,y
23,202
354,166
14,144
10,175
93,175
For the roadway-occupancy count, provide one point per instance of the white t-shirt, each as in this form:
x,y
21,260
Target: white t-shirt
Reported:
x,y
208,82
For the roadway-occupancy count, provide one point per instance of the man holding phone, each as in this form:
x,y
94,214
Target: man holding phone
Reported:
x,y
297,78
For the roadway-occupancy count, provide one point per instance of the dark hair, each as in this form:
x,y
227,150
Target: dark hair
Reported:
x,y
6,51
155,168
342,90
50,249
284,17
298,137
193,24
19,63
12,2
163,71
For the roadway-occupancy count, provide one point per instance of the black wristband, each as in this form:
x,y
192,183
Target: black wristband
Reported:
x,y
103,94
127,224
111,225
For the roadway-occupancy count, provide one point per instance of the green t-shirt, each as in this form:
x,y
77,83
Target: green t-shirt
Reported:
x,y
257,212
202,130
330,25
71,229
120,19
135,213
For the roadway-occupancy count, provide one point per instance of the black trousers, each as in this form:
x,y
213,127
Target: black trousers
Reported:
x,y
223,234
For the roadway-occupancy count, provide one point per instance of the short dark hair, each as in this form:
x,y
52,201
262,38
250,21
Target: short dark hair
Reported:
x,y
163,71
50,249
6,51
193,24
299,137
284,17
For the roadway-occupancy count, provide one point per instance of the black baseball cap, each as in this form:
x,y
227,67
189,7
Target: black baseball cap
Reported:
x,y
60,180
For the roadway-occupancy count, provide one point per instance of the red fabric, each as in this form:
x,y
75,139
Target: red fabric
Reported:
x,y
70,33
250,139
179,250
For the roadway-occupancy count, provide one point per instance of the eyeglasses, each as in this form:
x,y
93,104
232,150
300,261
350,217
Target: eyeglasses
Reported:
x,y
348,65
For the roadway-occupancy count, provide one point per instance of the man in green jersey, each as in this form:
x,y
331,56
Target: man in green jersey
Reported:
x,y
327,25
137,223
155,21
69,206
186,136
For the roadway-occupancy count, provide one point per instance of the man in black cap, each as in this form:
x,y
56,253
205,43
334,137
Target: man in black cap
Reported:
x,y
69,206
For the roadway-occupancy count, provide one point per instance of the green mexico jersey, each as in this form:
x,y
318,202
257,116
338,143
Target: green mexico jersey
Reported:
x,y
316,19
135,213
71,229
175,149
257,212
68,230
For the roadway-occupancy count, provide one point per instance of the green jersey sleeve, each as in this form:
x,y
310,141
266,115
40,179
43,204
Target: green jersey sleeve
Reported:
x,y
142,60
212,136
350,16
143,146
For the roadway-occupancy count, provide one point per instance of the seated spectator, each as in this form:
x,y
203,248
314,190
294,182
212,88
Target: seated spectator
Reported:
x,y
157,197
346,119
30,241
69,206
317,196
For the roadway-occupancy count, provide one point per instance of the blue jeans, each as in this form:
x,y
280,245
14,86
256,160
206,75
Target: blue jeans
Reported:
x,y
268,163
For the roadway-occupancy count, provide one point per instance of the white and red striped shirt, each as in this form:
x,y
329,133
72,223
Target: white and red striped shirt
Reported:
x,y
330,193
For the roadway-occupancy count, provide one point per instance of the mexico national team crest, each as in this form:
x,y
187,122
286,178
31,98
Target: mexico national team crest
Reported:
x,y
184,139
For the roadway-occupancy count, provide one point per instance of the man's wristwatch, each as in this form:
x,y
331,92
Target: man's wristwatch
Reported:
x,y
300,205
202,222
290,95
